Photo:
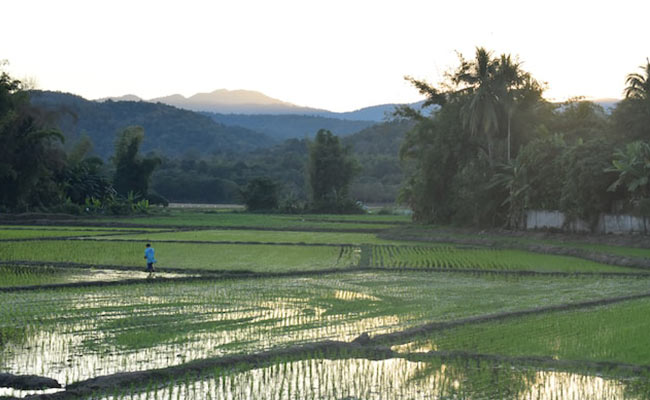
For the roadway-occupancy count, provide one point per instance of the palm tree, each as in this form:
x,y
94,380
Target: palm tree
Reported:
x,y
509,77
638,86
482,109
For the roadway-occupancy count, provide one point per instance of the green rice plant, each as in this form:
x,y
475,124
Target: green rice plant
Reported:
x,y
278,221
15,275
452,257
121,328
431,234
248,235
258,258
45,233
614,333
357,378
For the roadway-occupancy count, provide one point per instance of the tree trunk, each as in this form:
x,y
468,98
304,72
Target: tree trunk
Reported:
x,y
508,136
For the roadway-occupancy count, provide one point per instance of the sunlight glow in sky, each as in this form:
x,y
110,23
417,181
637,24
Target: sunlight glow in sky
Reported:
x,y
337,55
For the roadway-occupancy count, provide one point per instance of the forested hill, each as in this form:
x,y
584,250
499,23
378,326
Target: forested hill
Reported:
x,y
382,139
168,130
282,127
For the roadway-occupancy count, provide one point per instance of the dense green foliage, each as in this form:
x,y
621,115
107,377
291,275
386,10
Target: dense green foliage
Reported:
x,y
330,170
261,194
496,148
132,172
29,156
283,127
37,173
492,149
193,177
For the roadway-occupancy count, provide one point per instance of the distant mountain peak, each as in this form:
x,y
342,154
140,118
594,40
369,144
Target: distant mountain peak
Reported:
x,y
238,101
126,97
251,102
237,97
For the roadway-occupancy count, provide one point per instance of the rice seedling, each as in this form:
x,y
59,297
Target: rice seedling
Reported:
x,y
233,235
22,233
77,333
278,221
355,378
614,333
453,257
259,258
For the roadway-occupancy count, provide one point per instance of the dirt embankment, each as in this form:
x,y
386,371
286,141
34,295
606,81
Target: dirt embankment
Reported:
x,y
27,382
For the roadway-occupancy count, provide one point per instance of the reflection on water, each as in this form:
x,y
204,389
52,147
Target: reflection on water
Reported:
x,y
138,328
31,275
78,333
387,379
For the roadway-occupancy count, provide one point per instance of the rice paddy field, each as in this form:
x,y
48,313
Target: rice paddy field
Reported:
x,y
249,306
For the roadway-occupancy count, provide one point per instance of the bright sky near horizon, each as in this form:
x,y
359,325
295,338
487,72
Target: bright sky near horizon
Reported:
x,y
339,55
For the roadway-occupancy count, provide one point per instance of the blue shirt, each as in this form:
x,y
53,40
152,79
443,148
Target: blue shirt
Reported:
x,y
148,252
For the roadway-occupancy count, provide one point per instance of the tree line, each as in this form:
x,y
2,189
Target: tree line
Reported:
x,y
491,149
495,148
38,174
200,178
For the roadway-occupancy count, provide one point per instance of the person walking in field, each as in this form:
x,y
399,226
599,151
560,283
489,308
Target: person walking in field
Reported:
x,y
149,256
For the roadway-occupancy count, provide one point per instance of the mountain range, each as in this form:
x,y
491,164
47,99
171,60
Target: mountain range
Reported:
x,y
173,131
249,102
220,122
169,131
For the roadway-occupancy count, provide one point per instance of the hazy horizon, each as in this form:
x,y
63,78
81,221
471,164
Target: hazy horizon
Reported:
x,y
334,55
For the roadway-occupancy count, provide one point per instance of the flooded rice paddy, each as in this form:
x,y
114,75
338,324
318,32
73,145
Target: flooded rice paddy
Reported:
x,y
391,379
432,333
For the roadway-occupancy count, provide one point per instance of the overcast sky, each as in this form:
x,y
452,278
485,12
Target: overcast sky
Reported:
x,y
337,55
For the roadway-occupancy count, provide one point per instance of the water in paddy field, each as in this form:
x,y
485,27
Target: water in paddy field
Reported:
x,y
390,379
133,329
80,333
27,275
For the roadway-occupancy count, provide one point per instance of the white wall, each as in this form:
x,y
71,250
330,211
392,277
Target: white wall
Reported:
x,y
542,219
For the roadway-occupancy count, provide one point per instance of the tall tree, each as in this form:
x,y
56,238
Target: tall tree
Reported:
x,y
29,156
485,104
496,87
261,194
632,115
330,170
481,111
509,78
132,171
638,85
